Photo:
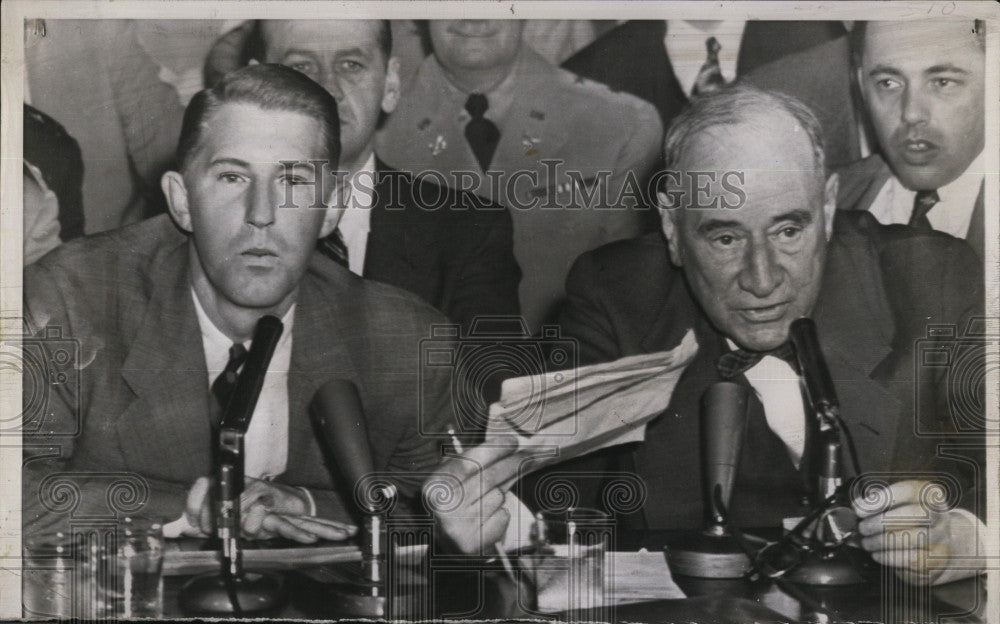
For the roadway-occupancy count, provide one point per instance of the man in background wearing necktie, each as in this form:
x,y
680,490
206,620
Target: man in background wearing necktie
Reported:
x,y
923,85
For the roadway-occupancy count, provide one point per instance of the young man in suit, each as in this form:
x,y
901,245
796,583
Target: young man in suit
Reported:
x,y
666,62
557,151
450,247
923,85
163,309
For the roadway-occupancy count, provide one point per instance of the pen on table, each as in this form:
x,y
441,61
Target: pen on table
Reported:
x,y
459,449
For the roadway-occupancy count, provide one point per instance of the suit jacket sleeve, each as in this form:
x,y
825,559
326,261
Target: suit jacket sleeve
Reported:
x,y
52,492
584,318
483,275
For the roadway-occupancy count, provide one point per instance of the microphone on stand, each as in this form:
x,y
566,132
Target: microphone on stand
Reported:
x,y
713,552
339,421
231,592
827,560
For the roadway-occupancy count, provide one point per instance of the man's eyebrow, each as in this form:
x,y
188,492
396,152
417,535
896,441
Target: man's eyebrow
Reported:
x,y
231,161
308,53
945,67
884,69
714,225
799,217
356,51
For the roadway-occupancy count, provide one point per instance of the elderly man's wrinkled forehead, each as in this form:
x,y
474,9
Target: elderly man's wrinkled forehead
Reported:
x,y
766,151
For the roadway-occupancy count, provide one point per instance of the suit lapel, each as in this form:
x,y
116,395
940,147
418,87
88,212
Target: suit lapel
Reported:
x,y
319,354
860,183
165,368
856,328
976,236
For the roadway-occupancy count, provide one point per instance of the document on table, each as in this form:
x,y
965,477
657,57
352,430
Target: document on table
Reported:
x,y
560,415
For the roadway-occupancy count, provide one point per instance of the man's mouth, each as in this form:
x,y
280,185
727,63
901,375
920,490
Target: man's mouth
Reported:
x,y
764,314
916,151
260,252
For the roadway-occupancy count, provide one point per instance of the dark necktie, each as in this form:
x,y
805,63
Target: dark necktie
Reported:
x,y
710,75
334,248
922,204
740,361
481,133
225,383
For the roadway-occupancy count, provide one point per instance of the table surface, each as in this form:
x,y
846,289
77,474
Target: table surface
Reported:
x,y
474,589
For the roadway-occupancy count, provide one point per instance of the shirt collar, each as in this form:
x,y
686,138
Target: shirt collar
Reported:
x,y
963,190
362,191
216,341
499,97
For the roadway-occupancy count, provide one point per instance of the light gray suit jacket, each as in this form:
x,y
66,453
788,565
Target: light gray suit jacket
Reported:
x,y
130,430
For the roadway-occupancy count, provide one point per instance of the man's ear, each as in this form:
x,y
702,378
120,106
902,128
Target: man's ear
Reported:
x,y
830,203
668,219
176,193
390,93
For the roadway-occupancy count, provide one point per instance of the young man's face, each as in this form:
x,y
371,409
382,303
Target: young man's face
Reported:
x,y
343,56
757,267
253,222
923,84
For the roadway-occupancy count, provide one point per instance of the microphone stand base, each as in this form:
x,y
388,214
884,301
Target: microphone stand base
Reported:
x,y
258,595
702,555
831,569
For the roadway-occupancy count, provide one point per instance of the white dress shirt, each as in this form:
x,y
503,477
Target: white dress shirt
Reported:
x,y
686,48
778,387
266,439
355,224
953,214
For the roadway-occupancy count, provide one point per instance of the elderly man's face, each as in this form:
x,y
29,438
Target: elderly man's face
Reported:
x,y
345,57
923,83
755,268
252,220
475,44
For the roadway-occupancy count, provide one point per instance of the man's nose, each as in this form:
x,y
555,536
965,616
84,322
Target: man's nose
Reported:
x,y
331,82
760,274
262,201
914,106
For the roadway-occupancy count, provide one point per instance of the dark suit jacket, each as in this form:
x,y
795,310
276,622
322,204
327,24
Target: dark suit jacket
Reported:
x,y
878,297
861,181
453,249
806,59
139,410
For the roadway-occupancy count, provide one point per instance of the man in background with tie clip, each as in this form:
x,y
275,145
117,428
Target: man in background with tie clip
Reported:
x,y
749,245
162,313
923,84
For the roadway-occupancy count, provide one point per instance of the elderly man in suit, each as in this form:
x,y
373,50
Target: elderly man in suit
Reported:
x,y
450,247
565,155
740,262
666,62
163,311
923,85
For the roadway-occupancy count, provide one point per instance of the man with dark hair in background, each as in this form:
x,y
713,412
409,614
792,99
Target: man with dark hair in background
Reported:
x,y
164,312
923,84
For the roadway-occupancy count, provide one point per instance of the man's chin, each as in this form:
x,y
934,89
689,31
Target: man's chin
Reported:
x,y
761,339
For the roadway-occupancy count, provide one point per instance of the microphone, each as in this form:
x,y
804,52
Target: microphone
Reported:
x,y
339,419
819,384
713,551
723,426
342,433
232,592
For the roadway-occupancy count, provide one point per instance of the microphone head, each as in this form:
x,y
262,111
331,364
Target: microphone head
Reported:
x,y
339,419
723,426
812,364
